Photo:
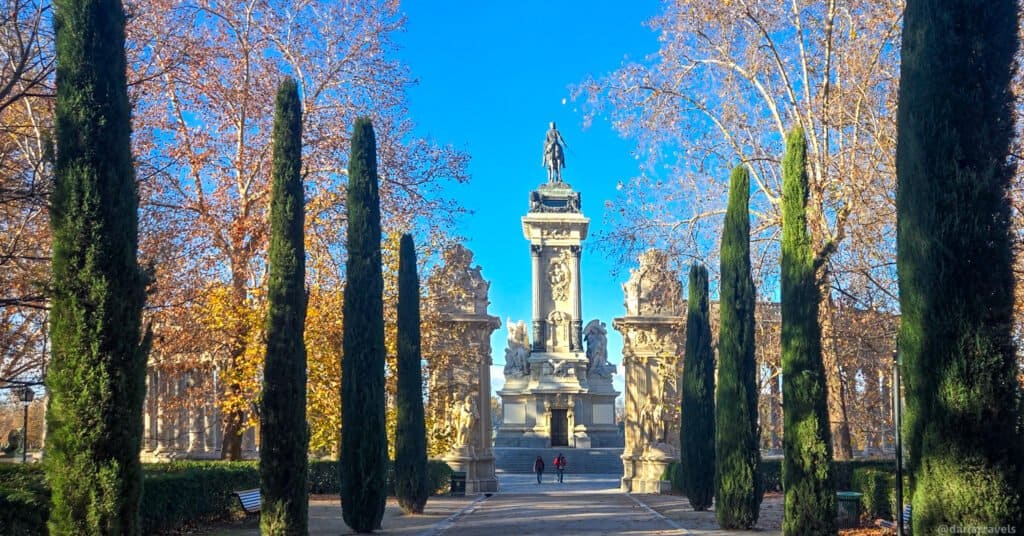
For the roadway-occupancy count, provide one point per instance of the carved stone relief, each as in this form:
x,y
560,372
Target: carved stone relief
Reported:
x,y
460,287
558,330
559,276
653,289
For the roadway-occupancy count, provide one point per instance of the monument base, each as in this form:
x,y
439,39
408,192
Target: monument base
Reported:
x,y
643,473
479,469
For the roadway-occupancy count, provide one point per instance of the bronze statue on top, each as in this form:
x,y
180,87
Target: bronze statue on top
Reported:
x,y
554,154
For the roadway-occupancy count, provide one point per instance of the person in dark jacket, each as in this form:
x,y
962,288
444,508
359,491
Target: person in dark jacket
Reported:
x,y
538,467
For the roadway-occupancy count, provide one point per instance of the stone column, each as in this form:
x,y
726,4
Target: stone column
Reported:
x,y
570,415
576,337
149,416
885,416
195,431
775,411
484,439
163,416
539,331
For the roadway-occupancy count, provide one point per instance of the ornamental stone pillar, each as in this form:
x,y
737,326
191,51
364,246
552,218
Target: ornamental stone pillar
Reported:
x,y
654,338
458,295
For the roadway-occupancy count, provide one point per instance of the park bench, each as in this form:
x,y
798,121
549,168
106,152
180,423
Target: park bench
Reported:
x,y
250,499
891,525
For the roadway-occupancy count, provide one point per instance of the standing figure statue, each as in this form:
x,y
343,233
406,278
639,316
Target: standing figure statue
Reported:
x,y
554,154
596,337
517,353
466,419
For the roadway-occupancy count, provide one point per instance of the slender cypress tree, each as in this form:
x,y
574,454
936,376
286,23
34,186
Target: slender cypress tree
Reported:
x,y
954,257
738,488
697,432
411,484
810,505
284,437
363,440
96,378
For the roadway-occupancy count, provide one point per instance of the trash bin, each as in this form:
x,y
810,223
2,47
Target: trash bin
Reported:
x,y
848,509
458,483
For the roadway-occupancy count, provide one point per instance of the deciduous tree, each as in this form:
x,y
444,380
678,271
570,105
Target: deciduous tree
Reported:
x,y
729,77
205,74
26,131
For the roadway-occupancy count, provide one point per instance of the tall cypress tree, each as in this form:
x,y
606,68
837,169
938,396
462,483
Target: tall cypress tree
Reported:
x,y
411,484
738,488
284,437
810,505
697,431
363,440
954,257
96,378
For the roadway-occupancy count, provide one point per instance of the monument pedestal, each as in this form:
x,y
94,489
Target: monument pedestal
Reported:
x,y
643,473
479,469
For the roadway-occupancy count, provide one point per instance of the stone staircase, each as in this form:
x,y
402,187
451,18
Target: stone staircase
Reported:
x,y
580,461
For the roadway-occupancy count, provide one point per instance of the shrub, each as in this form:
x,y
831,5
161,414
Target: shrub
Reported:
x,y
186,493
771,474
176,495
440,476
324,477
23,512
876,487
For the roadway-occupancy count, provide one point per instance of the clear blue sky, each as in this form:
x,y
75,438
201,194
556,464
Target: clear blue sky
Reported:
x,y
491,76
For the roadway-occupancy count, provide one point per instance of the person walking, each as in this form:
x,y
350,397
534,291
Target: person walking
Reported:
x,y
560,463
538,467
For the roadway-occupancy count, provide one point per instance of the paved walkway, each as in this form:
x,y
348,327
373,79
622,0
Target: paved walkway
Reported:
x,y
583,505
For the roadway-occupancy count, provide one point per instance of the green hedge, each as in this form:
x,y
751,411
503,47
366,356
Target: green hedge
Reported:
x,y
23,512
24,500
771,473
876,487
324,477
175,495
181,494
440,476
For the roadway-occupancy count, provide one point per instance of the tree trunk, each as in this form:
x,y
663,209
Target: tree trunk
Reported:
x,y
835,379
231,448
234,419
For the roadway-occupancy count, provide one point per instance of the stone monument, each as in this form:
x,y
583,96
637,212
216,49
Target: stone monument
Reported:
x,y
558,392
458,295
654,339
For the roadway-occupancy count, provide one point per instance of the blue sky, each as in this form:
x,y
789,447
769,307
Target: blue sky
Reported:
x,y
491,76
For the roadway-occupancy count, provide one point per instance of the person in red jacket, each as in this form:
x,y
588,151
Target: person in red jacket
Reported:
x,y
560,464
538,467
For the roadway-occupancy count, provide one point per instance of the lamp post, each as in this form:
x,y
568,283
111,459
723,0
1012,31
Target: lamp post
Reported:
x,y
897,421
25,395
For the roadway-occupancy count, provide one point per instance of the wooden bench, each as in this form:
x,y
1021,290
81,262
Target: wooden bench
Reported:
x,y
251,501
